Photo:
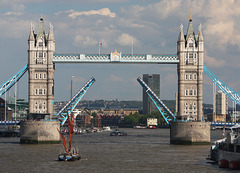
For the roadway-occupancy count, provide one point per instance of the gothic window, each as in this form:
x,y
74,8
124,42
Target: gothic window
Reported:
x,y
190,77
186,92
44,103
40,54
40,91
44,91
190,92
36,107
40,106
186,77
194,92
190,107
195,77
35,103
44,75
36,91
36,76
190,55
40,76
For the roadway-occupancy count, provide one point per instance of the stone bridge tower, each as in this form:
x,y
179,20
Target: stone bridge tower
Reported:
x,y
190,74
41,70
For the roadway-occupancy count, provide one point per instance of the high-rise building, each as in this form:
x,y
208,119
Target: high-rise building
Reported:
x,y
153,81
221,103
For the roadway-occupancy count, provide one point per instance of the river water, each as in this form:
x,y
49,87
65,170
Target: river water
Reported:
x,y
142,150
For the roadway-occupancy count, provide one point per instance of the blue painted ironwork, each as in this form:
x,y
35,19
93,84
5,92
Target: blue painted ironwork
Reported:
x,y
222,86
74,101
9,123
221,124
7,85
159,104
116,58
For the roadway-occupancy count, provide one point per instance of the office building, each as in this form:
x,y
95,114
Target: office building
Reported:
x,y
153,81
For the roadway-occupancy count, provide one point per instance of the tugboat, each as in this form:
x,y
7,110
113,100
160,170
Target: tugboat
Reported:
x,y
70,153
226,151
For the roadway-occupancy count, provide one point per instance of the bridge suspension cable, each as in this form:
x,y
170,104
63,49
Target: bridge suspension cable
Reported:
x,y
222,86
7,85
159,104
74,101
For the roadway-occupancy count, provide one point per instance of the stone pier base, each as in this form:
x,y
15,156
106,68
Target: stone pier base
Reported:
x,y
189,133
38,132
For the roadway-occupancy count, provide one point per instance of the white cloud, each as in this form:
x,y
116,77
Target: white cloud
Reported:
x,y
85,40
125,39
102,12
213,62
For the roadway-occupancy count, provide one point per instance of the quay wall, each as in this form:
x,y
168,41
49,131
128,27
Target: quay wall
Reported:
x,y
36,132
188,133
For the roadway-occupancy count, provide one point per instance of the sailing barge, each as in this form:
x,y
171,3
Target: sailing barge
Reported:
x,y
70,153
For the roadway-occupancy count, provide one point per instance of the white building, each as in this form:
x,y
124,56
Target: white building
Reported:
x,y
221,103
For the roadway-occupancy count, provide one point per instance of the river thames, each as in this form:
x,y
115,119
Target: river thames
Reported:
x,y
142,150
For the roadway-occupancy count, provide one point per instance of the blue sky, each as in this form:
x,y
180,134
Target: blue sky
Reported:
x,y
153,24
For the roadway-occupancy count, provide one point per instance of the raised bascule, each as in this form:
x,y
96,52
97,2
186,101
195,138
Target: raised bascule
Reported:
x,y
188,126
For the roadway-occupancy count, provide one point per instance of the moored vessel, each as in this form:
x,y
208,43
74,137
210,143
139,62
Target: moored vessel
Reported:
x,y
226,152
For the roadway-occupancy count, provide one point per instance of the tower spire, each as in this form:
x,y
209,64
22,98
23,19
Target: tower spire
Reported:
x,y
41,16
190,15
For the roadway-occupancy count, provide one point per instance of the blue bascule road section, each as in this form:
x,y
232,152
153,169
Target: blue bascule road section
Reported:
x,y
68,108
163,109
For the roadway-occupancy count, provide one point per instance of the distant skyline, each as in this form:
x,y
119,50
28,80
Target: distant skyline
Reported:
x,y
153,25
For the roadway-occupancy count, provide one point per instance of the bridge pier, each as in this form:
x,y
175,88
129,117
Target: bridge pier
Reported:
x,y
38,132
188,133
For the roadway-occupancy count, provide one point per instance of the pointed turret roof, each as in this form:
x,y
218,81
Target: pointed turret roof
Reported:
x,y
50,34
190,28
41,30
31,34
200,36
181,36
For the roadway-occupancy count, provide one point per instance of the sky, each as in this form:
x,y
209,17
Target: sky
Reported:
x,y
154,25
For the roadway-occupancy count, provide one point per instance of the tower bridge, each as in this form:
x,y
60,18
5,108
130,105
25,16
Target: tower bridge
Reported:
x,y
190,67
189,59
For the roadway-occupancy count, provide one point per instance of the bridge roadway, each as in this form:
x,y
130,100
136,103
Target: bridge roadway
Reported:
x,y
116,58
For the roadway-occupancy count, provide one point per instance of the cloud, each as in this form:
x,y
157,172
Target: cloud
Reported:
x,y
102,12
213,62
125,39
9,13
84,40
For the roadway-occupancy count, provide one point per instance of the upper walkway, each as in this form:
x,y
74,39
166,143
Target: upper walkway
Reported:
x,y
116,58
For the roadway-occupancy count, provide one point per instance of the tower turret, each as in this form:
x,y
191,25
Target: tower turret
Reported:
x,y
41,70
190,72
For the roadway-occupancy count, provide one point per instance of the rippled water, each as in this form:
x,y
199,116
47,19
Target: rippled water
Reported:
x,y
143,150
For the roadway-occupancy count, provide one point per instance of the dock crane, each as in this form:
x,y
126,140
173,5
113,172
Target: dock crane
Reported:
x,y
163,109
74,101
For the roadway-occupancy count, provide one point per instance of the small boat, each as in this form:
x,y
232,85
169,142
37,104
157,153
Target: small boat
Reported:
x,y
226,151
139,127
118,133
70,153
106,128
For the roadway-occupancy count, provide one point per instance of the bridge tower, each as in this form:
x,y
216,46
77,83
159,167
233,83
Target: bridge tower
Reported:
x,y
190,50
41,70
